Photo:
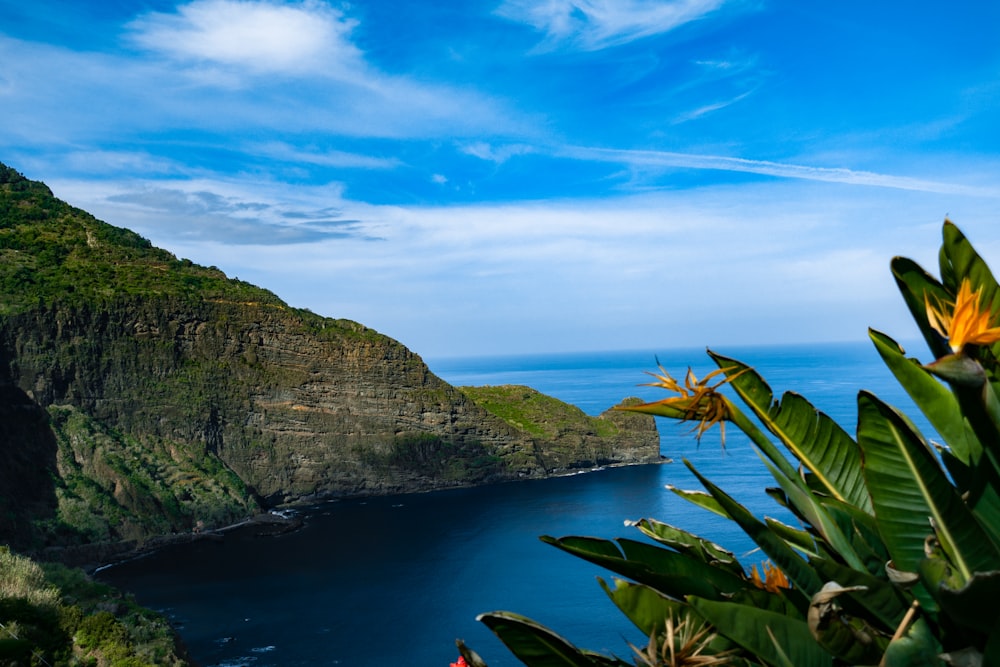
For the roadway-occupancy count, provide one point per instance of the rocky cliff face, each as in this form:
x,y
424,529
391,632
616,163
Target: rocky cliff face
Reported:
x,y
146,395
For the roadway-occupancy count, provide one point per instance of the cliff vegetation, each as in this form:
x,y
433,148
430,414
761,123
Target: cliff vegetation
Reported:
x,y
54,615
146,396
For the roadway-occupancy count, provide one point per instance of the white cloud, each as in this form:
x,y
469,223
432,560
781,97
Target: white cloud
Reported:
x,y
497,154
266,37
780,261
708,108
591,25
326,158
639,159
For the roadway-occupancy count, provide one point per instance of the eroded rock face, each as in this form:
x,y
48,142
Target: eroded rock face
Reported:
x,y
295,406
166,397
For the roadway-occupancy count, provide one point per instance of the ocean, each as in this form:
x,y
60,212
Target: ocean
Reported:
x,y
395,580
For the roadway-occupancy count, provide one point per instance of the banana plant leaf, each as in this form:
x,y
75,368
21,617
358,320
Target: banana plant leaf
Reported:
x,y
850,638
863,533
813,438
881,602
672,573
472,658
958,260
759,598
932,397
699,498
649,610
980,486
913,283
646,607
677,538
975,605
810,507
909,491
917,648
795,537
753,628
537,646
787,559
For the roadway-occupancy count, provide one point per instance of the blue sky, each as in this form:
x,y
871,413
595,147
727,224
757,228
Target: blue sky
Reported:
x,y
511,176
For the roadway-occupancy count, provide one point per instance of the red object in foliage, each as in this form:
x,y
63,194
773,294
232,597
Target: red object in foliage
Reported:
x,y
461,662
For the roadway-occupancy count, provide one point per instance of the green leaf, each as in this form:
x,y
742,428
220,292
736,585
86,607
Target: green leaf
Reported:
x,y
759,598
960,260
537,646
863,532
795,537
816,440
850,638
704,550
934,399
646,607
699,498
917,648
914,282
881,602
787,559
818,517
669,572
909,490
975,604
752,629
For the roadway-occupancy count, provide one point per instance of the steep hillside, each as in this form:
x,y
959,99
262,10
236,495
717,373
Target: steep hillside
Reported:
x,y
145,395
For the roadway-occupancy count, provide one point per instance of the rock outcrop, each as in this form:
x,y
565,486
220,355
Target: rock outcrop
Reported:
x,y
144,395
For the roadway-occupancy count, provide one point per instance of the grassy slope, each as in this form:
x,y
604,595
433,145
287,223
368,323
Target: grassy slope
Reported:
x,y
542,416
54,615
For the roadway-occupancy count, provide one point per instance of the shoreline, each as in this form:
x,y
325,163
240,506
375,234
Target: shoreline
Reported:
x,y
281,519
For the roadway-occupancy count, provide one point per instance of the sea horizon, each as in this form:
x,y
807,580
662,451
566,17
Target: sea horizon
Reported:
x,y
421,567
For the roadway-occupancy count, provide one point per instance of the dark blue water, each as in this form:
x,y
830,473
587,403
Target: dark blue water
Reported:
x,y
396,580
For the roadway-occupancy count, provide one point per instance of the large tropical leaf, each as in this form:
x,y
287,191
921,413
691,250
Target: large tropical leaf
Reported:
x,y
672,573
816,440
959,260
818,517
916,648
785,557
537,646
914,283
934,399
796,537
975,605
910,491
863,533
852,639
646,607
677,538
699,498
881,602
753,628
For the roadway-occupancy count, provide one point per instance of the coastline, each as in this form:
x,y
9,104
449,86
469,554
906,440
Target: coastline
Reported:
x,y
95,558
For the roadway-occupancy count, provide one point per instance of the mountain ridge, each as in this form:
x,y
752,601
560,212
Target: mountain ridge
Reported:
x,y
147,395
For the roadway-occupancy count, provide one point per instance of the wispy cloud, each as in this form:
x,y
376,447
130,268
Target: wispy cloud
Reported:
x,y
591,25
267,37
497,154
709,108
216,212
638,159
326,158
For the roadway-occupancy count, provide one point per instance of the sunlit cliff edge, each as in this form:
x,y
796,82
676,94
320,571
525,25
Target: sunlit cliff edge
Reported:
x,y
142,395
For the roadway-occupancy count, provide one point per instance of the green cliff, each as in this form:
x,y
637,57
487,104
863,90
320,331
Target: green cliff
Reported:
x,y
143,395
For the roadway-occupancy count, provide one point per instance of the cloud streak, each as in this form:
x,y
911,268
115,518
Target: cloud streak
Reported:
x,y
639,159
592,25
